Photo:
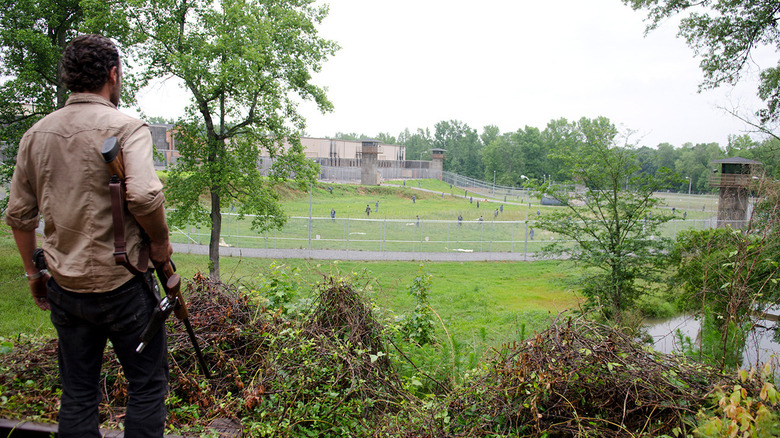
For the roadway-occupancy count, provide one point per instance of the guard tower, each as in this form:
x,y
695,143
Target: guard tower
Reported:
x,y
437,163
733,177
369,170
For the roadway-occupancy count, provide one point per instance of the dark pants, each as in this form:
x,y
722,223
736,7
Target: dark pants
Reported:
x,y
84,321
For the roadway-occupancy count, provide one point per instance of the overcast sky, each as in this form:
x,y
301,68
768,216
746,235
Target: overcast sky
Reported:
x,y
510,63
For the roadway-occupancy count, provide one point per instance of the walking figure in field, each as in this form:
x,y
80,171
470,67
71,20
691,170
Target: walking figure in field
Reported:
x,y
495,214
414,199
531,233
330,189
502,208
460,219
333,214
368,210
376,209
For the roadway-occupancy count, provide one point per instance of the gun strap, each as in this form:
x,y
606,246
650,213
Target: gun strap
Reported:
x,y
120,244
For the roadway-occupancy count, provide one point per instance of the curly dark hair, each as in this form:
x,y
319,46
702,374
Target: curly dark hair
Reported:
x,y
87,62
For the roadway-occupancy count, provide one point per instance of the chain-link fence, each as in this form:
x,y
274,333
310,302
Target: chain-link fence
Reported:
x,y
485,189
394,235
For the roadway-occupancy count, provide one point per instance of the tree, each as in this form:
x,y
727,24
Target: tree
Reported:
x,y
463,148
489,133
33,35
533,154
559,135
724,33
725,275
767,153
385,138
694,162
614,231
350,136
503,156
245,63
415,144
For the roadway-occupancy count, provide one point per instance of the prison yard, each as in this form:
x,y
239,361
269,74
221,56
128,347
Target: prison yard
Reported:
x,y
419,216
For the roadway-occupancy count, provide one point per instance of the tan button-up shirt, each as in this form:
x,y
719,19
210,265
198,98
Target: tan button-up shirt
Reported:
x,y
60,176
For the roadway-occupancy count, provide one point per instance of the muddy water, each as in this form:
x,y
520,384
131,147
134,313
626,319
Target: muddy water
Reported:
x,y
759,348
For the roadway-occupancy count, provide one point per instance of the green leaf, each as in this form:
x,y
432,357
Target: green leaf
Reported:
x,y
6,347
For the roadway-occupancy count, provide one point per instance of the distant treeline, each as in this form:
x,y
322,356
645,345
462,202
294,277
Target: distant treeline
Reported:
x,y
535,153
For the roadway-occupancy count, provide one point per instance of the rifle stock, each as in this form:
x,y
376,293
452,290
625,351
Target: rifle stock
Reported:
x,y
112,155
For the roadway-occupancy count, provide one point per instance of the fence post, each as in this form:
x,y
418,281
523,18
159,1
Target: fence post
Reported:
x,y
514,226
457,236
525,248
421,236
448,234
414,230
492,230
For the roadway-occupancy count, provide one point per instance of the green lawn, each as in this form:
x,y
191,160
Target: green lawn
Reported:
x,y
497,298
395,202
19,313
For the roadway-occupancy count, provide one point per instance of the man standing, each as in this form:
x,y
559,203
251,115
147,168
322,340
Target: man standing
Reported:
x,y
60,176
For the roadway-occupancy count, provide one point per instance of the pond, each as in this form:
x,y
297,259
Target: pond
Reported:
x,y
759,349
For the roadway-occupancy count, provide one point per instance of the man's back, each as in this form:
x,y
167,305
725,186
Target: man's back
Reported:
x,y
64,170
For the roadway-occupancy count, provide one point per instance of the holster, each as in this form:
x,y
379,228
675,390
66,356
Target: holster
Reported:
x,y
120,244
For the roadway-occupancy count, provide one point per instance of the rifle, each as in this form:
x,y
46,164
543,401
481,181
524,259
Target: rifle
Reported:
x,y
166,272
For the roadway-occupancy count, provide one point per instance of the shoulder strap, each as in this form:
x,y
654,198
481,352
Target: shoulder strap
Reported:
x,y
116,189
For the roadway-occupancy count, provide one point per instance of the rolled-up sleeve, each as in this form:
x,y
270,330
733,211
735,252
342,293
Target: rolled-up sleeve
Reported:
x,y
144,189
22,211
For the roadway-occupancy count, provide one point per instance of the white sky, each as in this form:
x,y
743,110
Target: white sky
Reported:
x,y
510,63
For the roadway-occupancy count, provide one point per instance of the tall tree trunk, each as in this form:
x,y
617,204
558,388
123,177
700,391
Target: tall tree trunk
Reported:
x,y
216,229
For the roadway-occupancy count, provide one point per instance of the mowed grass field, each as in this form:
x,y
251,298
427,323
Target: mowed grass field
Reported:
x,y
494,301
415,219
395,202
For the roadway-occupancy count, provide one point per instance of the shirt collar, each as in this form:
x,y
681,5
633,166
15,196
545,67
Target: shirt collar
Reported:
x,y
88,98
